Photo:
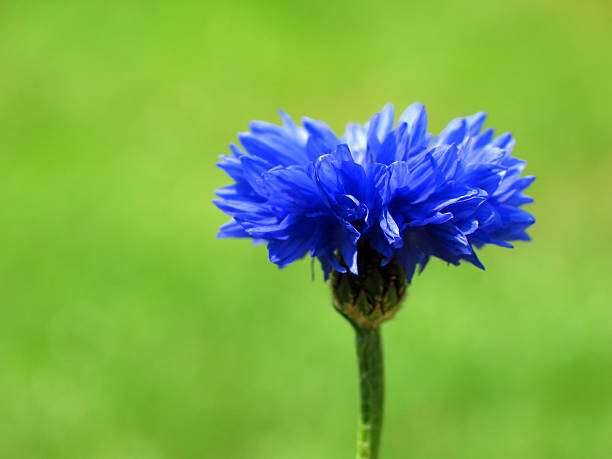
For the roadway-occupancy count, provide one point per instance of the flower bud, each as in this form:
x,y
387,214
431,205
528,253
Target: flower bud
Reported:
x,y
374,295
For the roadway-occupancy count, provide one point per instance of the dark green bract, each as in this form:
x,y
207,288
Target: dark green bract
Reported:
x,y
374,295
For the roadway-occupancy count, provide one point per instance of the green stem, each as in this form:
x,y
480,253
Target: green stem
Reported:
x,y
371,383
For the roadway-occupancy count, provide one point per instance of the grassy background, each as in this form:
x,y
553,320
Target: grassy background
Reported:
x,y
129,331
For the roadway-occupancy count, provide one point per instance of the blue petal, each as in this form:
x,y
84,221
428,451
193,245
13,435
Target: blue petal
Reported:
x,y
390,228
503,140
389,151
475,123
283,252
267,150
446,159
381,124
486,177
322,139
356,138
232,229
415,117
455,132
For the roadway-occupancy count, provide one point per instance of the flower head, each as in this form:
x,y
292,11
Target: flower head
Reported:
x,y
391,188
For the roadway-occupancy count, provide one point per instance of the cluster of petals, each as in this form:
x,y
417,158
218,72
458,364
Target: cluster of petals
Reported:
x,y
408,194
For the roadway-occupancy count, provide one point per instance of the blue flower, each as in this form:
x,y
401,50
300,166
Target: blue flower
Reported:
x,y
406,193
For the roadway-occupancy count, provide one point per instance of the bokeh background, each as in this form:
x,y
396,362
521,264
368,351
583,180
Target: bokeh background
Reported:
x,y
128,331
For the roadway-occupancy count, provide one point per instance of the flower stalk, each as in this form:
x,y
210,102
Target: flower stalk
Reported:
x,y
371,387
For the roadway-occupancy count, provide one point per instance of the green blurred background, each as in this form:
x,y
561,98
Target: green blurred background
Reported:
x,y
129,331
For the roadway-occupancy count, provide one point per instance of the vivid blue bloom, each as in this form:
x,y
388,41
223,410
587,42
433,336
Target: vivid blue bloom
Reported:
x,y
406,193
